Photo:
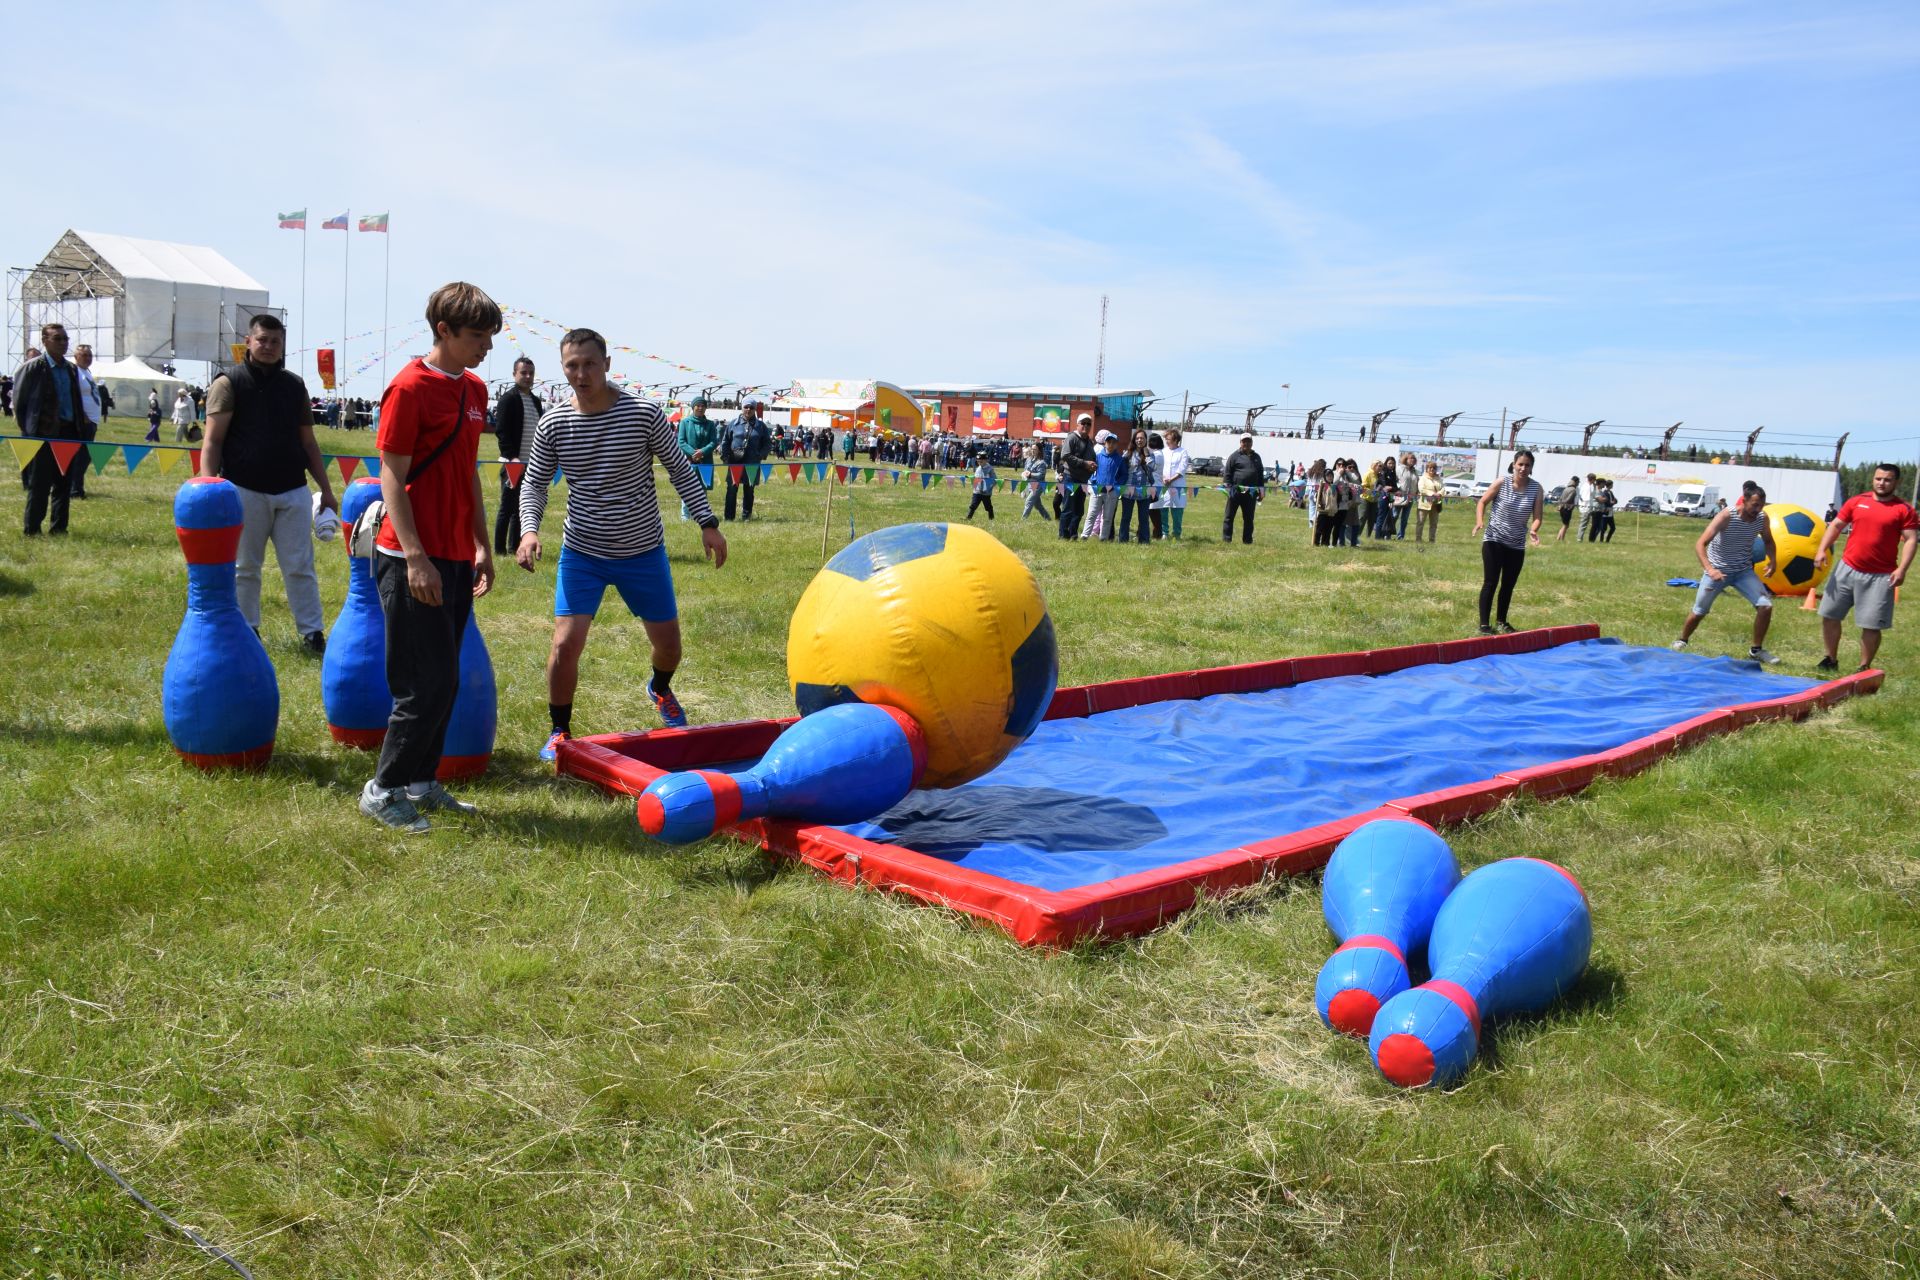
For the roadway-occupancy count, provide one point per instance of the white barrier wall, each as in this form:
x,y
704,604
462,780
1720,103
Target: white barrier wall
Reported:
x,y
1632,477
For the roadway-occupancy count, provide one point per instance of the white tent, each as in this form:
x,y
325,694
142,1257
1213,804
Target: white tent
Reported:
x,y
129,379
149,299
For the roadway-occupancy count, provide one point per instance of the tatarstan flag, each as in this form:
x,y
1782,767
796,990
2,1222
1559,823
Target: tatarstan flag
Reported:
x,y
374,222
296,221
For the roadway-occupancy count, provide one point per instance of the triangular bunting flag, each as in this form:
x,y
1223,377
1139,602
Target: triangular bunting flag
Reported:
x,y
195,455
167,459
24,452
793,473
517,469
100,455
135,455
63,452
349,463
926,478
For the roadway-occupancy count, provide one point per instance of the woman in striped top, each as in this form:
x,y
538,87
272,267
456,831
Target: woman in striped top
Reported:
x,y
1510,511
606,442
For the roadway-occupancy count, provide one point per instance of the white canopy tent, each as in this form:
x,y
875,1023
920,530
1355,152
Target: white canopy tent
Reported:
x,y
149,299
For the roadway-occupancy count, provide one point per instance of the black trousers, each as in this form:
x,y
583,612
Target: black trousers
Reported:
x,y
745,501
980,500
1242,503
1500,567
423,666
47,489
1073,509
506,524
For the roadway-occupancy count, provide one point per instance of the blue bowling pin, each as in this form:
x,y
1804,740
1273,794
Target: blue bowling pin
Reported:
x,y
1382,889
844,763
219,698
476,711
1511,939
353,675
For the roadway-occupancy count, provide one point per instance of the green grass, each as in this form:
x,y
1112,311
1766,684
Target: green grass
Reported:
x,y
537,1045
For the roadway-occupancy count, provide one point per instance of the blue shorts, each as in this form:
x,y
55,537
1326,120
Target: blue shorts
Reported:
x,y
643,581
1746,582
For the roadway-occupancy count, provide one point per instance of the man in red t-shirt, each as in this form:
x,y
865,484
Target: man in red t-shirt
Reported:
x,y
1883,525
433,556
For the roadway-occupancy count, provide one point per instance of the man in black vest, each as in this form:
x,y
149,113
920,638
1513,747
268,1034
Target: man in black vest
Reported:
x,y
47,405
514,417
260,437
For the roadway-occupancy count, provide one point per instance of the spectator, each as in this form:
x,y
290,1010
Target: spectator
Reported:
x,y
1175,466
1245,477
260,437
1510,511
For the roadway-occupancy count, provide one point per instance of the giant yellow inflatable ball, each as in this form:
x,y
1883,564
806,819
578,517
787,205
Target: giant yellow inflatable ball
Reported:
x,y
939,621
1796,540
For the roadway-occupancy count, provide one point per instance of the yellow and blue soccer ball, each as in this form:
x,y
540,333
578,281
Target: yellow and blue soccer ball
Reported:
x,y
939,621
1796,539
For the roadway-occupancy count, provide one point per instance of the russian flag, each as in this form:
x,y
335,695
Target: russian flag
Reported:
x,y
335,224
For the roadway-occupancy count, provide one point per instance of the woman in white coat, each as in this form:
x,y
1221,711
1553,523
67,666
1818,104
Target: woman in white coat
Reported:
x,y
1174,466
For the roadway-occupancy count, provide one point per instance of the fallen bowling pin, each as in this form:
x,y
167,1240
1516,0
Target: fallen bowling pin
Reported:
x,y
1511,939
843,763
1382,888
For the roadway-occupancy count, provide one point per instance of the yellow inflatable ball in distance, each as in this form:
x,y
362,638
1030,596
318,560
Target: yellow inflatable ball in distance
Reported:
x,y
939,621
1796,540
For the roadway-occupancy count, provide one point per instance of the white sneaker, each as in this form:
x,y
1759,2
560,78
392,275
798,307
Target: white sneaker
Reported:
x,y
1757,654
1678,646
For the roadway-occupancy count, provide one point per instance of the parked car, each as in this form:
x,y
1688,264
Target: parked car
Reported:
x,y
1642,504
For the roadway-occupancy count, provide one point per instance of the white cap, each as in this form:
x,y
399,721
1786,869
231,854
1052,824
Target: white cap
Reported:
x,y
326,522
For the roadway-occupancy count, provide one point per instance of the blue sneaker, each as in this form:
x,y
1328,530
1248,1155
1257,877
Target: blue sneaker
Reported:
x,y
551,751
668,706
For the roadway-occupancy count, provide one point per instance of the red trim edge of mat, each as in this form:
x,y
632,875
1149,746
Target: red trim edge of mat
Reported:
x,y
624,763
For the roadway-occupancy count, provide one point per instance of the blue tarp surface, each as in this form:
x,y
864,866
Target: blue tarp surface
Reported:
x,y
1088,800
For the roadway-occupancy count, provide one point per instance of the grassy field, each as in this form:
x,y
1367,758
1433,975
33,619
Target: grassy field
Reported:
x,y
534,1044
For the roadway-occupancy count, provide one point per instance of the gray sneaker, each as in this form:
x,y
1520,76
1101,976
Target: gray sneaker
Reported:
x,y
438,797
394,810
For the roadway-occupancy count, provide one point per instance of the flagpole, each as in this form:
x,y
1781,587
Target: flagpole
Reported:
x,y
386,295
346,261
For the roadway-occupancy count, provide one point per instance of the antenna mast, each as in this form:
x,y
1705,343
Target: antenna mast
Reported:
x,y
1100,362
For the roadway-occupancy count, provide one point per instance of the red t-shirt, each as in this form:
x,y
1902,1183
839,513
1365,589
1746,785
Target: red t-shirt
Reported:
x,y
1874,538
420,407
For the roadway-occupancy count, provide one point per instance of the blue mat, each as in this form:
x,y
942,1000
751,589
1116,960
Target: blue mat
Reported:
x,y
1088,800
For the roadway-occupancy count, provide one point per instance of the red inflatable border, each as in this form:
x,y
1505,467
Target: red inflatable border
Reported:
x,y
624,763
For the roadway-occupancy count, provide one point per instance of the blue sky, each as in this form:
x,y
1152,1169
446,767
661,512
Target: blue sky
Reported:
x,y
1637,212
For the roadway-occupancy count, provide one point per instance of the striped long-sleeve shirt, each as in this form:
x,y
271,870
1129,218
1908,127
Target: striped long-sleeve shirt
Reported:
x,y
607,458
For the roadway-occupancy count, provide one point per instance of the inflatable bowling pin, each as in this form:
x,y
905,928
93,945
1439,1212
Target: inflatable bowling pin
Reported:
x,y
1513,937
219,697
844,763
476,711
1382,889
353,675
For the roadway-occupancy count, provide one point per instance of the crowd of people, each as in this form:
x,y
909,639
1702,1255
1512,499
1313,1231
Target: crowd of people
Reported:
x,y
433,551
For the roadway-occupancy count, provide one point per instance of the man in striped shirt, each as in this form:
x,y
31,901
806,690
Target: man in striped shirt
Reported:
x,y
1726,550
606,443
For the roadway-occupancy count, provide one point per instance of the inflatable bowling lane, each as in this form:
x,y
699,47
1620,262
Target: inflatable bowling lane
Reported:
x,y
1511,939
1383,887
219,697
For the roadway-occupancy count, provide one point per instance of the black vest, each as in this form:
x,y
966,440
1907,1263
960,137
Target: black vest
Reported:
x,y
263,450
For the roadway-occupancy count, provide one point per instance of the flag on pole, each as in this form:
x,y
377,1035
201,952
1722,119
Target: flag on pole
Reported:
x,y
338,223
295,221
374,222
